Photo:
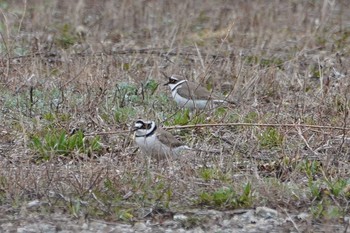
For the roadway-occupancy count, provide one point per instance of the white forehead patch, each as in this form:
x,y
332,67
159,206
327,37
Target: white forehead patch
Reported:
x,y
138,125
174,77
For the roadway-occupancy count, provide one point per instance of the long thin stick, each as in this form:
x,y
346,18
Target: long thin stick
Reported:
x,y
232,124
257,124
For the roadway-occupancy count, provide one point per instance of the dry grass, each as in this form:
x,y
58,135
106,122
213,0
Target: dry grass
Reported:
x,y
95,65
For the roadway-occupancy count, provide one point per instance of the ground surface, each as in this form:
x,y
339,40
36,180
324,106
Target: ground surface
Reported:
x,y
74,78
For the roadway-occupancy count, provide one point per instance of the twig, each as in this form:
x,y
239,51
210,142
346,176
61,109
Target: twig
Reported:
x,y
346,226
107,133
22,18
162,52
346,113
306,142
200,56
230,124
31,99
256,124
290,219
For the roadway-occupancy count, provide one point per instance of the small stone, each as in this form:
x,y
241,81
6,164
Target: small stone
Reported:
x,y
226,223
33,203
253,220
170,224
246,218
42,227
24,230
46,228
180,217
140,226
198,230
7,226
123,228
95,226
303,216
169,231
85,226
266,212
181,230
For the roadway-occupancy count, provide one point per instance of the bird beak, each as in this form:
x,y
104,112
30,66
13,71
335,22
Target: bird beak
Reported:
x,y
166,76
132,128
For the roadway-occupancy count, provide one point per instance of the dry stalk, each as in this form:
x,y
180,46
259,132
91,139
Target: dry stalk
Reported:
x,y
230,125
258,124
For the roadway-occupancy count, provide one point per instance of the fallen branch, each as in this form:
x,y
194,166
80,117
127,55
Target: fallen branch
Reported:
x,y
257,124
230,124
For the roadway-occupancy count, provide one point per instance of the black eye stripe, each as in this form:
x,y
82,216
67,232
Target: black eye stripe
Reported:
x,y
172,81
148,127
144,125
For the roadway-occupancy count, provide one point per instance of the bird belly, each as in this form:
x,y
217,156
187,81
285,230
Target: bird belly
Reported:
x,y
151,146
189,103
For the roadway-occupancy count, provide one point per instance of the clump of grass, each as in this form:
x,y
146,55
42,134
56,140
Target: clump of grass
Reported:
x,y
311,168
220,112
58,142
125,94
270,138
226,197
192,222
3,181
123,114
209,174
181,117
265,62
323,191
326,209
151,86
106,90
66,37
251,117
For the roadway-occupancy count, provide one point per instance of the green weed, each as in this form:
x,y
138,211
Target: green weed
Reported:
x,y
270,138
198,119
182,117
191,222
251,117
226,198
337,187
123,114
123,214
3,184
125,94
324,209
311,168
151,86
209,174
59,143
265,62
220,112
66,37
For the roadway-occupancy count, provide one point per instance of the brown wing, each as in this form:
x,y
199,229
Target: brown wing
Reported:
x,y
168,139
198,92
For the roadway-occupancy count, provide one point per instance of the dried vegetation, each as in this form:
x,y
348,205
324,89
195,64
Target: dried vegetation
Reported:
x,y
95,66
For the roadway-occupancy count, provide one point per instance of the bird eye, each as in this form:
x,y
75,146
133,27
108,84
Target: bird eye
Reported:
x,y
147,126
172,81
